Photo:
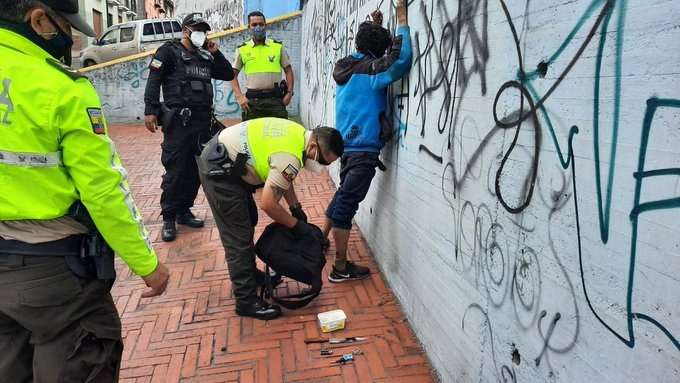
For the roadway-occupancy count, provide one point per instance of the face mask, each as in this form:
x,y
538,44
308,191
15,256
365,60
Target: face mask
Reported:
x,y
313,165
258,33
58,44
198,38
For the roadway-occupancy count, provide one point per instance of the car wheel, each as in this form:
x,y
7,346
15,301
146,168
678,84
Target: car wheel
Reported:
x,y
88,63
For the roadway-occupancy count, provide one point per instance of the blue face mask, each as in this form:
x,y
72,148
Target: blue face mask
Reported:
x,y
258,33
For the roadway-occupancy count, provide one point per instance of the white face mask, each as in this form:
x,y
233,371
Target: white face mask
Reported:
x,y
198,38
313,165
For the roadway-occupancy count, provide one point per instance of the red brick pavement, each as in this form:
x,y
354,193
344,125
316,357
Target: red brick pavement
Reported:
x,y
191,333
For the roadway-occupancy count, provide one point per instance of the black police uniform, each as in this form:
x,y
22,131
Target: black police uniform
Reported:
x,y
186,80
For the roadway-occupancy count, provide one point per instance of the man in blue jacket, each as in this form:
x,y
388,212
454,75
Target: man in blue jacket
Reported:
x,y
361,98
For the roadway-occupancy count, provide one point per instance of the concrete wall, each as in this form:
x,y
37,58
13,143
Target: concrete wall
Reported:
x,y
492,227
121,85
224,14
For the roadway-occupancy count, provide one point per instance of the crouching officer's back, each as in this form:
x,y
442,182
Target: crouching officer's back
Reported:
x,y
64,199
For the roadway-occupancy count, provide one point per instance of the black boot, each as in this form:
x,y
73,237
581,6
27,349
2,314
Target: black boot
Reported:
x,y
258,309
169,232
189,219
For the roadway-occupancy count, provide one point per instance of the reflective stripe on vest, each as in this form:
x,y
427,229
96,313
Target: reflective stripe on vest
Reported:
x,y
270,135
35,160
262,58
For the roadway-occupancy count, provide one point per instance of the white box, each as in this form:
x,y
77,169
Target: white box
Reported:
x,y
332,320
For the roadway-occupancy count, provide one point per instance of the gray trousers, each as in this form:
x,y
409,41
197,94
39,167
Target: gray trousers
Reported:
x,y
54,326
235,213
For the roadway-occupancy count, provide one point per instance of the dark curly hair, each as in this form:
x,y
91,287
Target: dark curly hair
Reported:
x,y
373,38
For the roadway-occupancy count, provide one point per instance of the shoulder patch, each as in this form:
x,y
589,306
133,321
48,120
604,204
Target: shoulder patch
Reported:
x,y
243,44
155,64
277,41
290,172
97,120
72,73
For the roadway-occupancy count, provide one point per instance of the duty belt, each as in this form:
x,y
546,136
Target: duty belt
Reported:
x,y
69,246
269,93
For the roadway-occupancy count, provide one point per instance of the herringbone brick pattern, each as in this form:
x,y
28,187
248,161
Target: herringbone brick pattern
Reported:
x,y
191,333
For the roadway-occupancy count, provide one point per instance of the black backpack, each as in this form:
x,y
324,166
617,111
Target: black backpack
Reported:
x,y
299,258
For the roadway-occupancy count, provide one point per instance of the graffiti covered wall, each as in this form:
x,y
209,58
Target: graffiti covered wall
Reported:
x,y
224,14
121,86
528,219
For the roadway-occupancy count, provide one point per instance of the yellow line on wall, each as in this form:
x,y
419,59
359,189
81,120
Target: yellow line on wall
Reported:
x,y
215,35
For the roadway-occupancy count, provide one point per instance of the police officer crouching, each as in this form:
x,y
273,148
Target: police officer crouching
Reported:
x,y
184,69
64,199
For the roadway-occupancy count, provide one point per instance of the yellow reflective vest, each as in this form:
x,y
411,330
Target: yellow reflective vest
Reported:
x,y
270,135
55,150
262,58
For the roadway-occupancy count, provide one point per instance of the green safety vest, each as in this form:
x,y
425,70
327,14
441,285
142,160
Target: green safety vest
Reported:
x,y
54,151
262,58
270,135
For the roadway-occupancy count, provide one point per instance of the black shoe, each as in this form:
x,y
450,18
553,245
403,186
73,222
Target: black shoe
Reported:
x,y
169,232
258,309
352,272
189,219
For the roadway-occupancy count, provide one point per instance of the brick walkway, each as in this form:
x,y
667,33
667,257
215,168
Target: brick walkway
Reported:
x,y
191,333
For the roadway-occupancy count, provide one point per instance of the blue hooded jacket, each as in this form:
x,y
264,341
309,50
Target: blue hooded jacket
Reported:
x,y
361,93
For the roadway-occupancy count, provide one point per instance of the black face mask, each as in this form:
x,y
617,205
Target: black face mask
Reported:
x,y
58,47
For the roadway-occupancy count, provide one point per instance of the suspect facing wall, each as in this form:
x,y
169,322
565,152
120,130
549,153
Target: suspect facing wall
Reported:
x,y
121,84
528,217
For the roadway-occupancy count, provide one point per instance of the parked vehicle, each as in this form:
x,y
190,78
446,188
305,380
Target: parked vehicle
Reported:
x,y
126,39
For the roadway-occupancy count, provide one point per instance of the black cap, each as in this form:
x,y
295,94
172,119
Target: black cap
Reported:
x,y
195,19
68,9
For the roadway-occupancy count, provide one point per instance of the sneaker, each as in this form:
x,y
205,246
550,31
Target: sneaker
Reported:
x,y
352,272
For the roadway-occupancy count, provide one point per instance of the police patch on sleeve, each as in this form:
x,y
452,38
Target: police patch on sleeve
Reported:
x,y
156,64
97,120
289,173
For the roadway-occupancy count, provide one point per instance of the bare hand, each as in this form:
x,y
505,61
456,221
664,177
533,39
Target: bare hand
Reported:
x,y
157,281
287,98
377,17
402,17
243,102
151,123
213,47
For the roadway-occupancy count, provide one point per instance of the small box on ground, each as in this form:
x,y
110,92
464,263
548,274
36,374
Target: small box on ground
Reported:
x,y
332,320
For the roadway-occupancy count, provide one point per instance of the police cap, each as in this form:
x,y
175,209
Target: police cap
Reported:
x,y
194,20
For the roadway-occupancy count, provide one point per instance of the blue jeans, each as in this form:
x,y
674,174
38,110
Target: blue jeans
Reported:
x,y
357,170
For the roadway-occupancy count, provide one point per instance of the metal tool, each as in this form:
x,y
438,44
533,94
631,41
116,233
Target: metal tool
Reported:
x,y
351,339
344,359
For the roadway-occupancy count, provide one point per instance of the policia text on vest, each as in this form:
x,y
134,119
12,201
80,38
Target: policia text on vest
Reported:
x,y
58,321
262,60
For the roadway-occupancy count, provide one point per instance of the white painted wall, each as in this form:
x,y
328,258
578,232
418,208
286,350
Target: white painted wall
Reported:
x,y
478,279
121,86
223,14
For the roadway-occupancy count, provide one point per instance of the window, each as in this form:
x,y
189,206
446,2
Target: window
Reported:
x,y
109,38
167,27
148,29
159,29
109,20
97,22
127,34
176,27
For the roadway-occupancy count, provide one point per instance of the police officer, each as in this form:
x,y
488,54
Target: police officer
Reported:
x,y
185,70
262,59
269,151
58,321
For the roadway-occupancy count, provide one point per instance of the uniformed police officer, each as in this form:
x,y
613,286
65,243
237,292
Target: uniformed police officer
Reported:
x,y
185,70
58,322
262,59
269,151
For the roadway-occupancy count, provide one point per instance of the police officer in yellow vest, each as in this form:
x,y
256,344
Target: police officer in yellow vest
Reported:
x,y
262,59
63,199
267,152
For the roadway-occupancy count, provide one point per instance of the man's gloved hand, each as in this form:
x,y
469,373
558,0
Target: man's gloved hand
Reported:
x,y
297,212
303,229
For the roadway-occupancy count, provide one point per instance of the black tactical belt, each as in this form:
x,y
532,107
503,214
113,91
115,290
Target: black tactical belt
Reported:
x,y
69,246
263,94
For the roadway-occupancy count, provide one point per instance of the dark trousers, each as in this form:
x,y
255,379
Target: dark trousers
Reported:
x,y
235,213
181,145
357,170
54,326
265,107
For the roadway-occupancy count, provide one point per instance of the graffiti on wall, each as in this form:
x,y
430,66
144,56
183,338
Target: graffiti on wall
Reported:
x,y
525,133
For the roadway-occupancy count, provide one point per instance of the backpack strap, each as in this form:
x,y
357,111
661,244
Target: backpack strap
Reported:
x,y
292,301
